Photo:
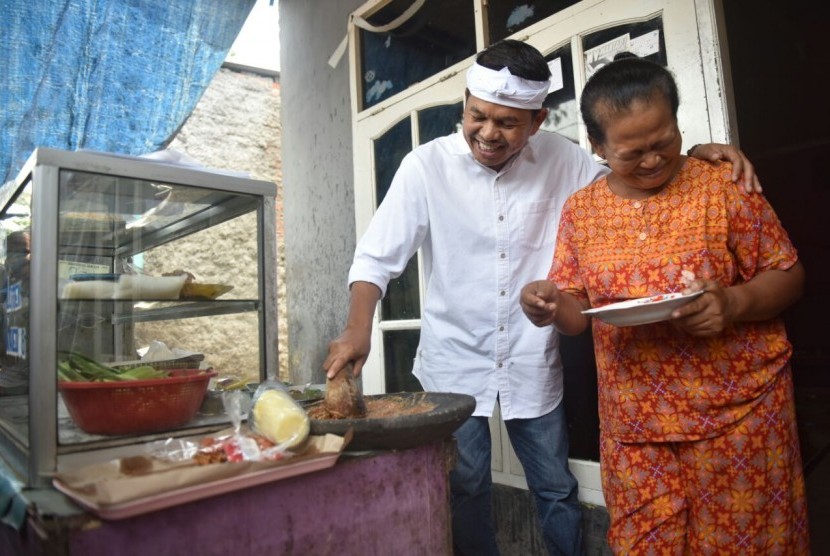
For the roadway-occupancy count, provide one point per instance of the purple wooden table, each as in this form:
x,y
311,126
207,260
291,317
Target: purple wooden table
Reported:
x,y
391,502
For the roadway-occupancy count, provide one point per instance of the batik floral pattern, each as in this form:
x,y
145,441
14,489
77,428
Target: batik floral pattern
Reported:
x,y
655,382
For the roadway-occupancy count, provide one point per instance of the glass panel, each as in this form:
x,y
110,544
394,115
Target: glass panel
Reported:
x,y
510,16
401,300
439,121
111,212
645,39
399,347
402,295
15,228
563,108
390,148
158,267
439,35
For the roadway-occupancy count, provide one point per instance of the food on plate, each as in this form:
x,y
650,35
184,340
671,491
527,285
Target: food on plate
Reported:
x,y
654,298
276,416
189,276
194,291
687,277
126,286
343,399
88,289
141,286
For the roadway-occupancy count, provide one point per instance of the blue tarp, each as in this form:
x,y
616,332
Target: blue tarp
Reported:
x,y
119,76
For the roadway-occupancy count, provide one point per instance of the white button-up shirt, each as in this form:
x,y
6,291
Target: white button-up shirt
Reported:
x,y
484,235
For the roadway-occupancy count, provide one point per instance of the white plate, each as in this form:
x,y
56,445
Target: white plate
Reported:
x,y
644,310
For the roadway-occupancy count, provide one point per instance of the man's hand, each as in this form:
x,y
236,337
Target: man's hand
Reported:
x,y
743,172
351,346
538,301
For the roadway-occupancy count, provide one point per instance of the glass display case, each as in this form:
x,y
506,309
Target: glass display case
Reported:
x,y
126,263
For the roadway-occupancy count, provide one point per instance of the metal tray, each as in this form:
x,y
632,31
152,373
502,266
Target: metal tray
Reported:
x,y
191,493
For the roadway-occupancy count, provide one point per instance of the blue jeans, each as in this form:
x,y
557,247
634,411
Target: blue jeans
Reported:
x,y
541,445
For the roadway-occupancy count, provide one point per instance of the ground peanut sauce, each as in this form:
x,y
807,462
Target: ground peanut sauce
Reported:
x,y
393,406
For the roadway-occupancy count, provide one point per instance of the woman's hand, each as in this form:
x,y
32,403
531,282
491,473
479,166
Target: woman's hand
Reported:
x,y
708,315
762,298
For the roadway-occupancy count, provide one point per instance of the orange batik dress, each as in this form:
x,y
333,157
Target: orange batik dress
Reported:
x,y
699,449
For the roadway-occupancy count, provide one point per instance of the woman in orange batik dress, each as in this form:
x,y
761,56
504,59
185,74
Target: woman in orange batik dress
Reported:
x,y
698,442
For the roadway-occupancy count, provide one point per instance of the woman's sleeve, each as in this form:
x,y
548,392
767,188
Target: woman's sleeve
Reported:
x,y
564,271
757,238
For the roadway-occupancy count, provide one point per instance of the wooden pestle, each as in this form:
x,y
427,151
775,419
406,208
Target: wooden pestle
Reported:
x,y
344,400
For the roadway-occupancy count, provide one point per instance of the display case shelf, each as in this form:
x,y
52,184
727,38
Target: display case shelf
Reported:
x,y
148,311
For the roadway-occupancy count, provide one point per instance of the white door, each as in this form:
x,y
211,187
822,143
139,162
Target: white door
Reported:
x,y
681,34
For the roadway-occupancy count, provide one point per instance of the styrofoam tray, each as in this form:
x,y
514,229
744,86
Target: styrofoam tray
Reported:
x,y
192,493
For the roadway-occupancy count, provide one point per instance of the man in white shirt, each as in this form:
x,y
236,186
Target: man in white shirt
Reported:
x,y
483,204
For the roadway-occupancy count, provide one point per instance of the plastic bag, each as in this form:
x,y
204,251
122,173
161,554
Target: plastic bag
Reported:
x,y
238,445
277,416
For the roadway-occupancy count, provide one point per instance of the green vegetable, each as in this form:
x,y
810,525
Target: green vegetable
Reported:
x,y
145,372
66,372
77,367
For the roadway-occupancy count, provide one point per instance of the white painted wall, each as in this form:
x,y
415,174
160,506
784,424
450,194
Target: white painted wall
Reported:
x,y
318,181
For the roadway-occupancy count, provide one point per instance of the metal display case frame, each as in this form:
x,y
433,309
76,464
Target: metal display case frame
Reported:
x,y
234,196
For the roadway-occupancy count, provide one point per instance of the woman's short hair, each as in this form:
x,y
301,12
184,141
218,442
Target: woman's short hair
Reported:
x,y
615,87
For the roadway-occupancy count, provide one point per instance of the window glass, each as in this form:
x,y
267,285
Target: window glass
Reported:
x,y
440,34
510,16
438,121
399,352
402,298
563,109
644,39
390,149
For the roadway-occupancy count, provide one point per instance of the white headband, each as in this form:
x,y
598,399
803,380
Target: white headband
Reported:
x,y
502,87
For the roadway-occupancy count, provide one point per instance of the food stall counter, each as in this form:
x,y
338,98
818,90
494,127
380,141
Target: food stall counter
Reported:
x,y
378,502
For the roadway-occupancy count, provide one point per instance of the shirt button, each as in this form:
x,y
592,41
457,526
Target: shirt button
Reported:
x,y
501,217
637,204
501,329
642,235
499,364
502,255
502,292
